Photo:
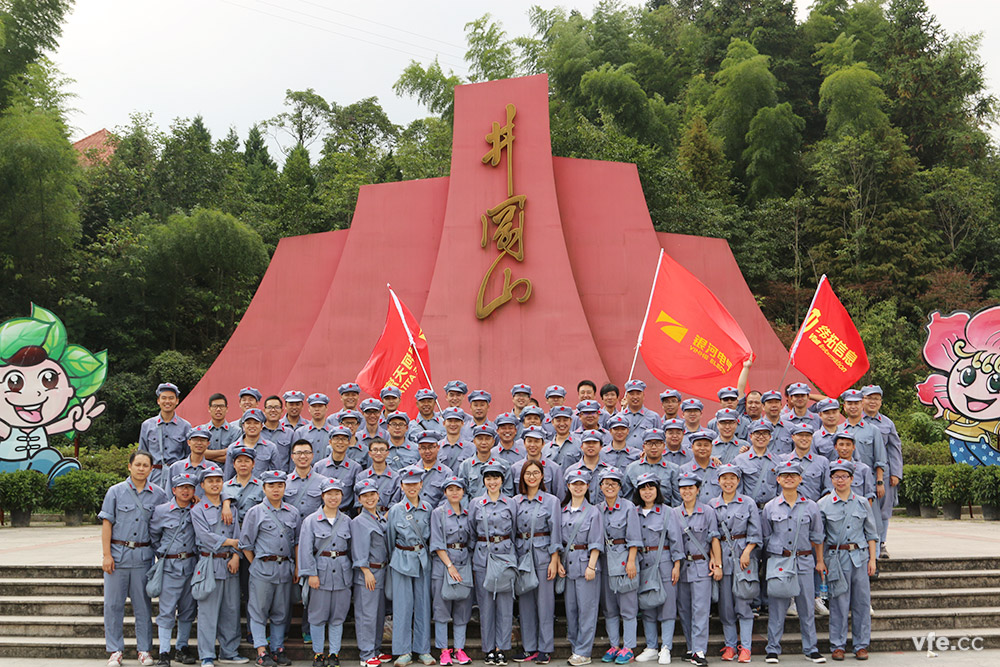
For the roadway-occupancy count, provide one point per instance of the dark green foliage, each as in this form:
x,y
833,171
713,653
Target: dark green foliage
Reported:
x,y
918,484
953,484
986,485
22,490
76,490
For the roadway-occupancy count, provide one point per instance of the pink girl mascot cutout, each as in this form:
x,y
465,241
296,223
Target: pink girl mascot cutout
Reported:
x,y
966,349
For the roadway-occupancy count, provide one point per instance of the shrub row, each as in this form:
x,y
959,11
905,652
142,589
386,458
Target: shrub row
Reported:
x,y
958,483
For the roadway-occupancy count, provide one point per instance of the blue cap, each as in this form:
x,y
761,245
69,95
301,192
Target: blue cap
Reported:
x,y
480,395
827,404
389,391
692,404
428,436
453,413
330,484
702,435
426,393
673,424
850,395
456,385
532,410
581,474
398,414
842,464
245,451
802,427
635,385
729,468
798,389
611,473
199,432
348,414
253,413
533,432
340,430
365,486
185,479
870,389
770,395
591,435
845,435
167,386
371,404
508,418
646,478
520,389
653,434
728,392
788,468
617,421
726,415
561,411
250,391
493,466
347,387
293,396
454,481
484,429
211,471
319,399
688,479
670,393
555,390
273,476
410,474
760,425
588,406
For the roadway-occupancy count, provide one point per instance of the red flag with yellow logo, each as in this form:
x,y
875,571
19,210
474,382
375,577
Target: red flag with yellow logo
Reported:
x,y
828,347
400,358
689,340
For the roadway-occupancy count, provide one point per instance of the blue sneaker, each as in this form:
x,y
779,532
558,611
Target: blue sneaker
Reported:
x,y
610,655
624,656
307,637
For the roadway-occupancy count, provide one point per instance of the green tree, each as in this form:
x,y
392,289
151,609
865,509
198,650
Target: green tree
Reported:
x,y
490,55
304,121
431,86
298,211
852,101
424,149
702,157
28,28
772,152
745,85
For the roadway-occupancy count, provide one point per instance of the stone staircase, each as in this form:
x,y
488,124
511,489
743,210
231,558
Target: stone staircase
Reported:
x,y
56,612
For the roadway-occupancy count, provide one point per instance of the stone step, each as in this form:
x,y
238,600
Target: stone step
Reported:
x,y
926,599
61,586
50,572
939,580
937,564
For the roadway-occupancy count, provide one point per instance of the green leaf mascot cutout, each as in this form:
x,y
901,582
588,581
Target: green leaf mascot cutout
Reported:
x,y
47,387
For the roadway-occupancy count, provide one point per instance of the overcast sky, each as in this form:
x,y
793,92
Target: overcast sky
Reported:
x,y
232,60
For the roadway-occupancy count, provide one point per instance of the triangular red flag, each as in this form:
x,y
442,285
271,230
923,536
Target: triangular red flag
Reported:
x,y
689,340
394,360
828,347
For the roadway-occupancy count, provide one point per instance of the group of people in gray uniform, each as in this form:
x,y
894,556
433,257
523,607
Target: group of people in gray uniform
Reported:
x,y
780,504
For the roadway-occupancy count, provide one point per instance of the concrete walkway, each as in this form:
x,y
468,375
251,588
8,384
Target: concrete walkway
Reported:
x,y
54,544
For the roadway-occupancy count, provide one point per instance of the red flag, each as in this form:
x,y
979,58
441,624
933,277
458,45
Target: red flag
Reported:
x,y
689,340
394,360
828,347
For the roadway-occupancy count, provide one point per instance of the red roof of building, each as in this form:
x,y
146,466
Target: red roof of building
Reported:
x,y
95,147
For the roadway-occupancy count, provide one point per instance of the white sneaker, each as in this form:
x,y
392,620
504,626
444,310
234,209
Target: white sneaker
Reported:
x,y
821,609
579,659
792,611
115,660
145,659
664,656
647,655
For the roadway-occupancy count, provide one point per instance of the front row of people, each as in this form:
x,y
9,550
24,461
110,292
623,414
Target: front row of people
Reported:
x,y
631,559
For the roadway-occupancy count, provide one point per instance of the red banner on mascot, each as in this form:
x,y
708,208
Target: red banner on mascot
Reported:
x,y
400,357
689,340
828,347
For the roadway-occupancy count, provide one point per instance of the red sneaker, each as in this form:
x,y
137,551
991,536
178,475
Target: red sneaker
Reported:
x,y
728,654
445,656
744,655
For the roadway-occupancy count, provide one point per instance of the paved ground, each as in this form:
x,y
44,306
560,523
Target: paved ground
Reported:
x,y
54,544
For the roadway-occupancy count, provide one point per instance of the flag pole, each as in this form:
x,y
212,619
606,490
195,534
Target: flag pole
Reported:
x,y
409,336
645,317
798,336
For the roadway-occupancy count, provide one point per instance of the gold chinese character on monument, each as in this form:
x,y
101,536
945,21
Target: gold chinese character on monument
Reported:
x,y
508,216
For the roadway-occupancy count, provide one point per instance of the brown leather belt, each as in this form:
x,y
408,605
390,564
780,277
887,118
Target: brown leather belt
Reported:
x,y
733,537
455,545
205,553
130,545
414,548
648,549
786,552
577,547
843,547
525,536
620,541
182,556
694,557
277,559
495,539
374,566
333,554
